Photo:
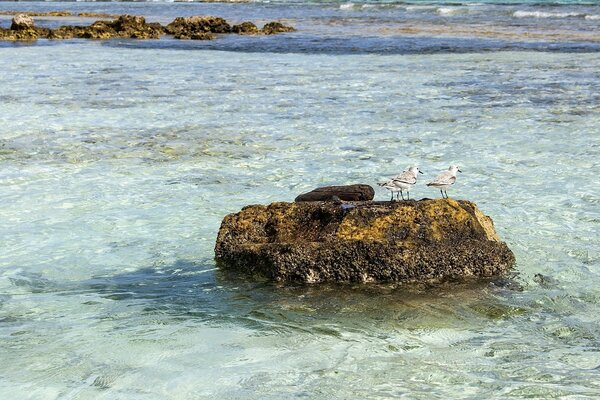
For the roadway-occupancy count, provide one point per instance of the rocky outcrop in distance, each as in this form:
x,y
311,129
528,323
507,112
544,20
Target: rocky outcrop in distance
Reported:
x,y
404,241
136,27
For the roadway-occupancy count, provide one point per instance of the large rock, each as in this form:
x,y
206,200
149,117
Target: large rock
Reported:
x,y
362,241
357,192
125,26
21,22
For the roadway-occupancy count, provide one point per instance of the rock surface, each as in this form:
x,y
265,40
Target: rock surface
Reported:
x,y
246,28
197,27
273,28
426,240
126,27
357,192
21,22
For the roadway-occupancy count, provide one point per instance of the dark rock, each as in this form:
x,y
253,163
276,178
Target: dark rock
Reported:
x,y
135,27
186,27
125,26
427,240
21,22
348,193
246,28
273,28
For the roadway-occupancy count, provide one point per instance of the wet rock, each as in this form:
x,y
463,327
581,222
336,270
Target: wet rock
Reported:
x,y
427,240
246,28
125,26
9,34
135,27
198,27
21,22
273,28
357,192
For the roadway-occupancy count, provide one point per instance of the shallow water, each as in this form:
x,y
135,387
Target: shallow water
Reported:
x,y
119,160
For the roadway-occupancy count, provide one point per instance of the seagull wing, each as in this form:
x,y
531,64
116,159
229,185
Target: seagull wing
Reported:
x,y
406,177
443,179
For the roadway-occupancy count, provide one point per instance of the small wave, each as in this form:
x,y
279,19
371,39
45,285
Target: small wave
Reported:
x,y
593,17
347,6
542,14
420,8
446,11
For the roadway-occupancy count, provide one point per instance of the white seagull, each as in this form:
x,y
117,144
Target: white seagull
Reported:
x,y
402,182
445,179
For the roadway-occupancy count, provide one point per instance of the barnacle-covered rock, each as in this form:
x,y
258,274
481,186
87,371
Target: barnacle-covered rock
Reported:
x,y
363,241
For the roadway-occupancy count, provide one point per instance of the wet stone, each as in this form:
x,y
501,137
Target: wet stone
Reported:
x,y
404,241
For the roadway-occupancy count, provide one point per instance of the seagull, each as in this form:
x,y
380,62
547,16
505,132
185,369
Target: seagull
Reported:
x,y
445,179
402,182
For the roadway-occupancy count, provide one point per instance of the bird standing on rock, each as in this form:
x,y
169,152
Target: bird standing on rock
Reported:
x,y
402,182
445,179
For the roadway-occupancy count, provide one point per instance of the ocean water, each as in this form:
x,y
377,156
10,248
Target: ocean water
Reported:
x,y
119,159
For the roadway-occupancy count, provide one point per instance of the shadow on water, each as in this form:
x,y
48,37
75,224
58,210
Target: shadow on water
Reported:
x,y
188,291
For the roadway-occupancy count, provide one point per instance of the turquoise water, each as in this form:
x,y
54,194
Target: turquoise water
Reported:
x,y
119,160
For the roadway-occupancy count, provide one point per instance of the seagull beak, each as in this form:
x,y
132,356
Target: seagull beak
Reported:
x,y
459,170
420,171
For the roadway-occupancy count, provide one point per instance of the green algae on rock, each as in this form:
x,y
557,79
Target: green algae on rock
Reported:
x,y
363,242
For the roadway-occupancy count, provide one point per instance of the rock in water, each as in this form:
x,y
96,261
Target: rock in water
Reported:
x,y
273,28
21,22
197,27
363,242
348,193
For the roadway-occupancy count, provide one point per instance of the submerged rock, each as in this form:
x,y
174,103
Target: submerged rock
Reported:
x,y
362,241
348,193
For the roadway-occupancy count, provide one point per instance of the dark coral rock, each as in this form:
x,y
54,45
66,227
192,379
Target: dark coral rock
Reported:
x,y
273,28
367,242
358,192
125,26
246,28
186,27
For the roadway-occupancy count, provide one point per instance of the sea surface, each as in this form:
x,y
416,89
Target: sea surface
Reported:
x,y
119,159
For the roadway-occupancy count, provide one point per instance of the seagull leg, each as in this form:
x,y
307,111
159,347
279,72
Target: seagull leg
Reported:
x,y
392,199
402,194
446,193
408,195
442,192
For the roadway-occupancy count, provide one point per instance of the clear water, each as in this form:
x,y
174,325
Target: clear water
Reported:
x,y
119,160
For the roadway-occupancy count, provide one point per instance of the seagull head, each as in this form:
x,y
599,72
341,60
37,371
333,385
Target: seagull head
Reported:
x,y
454,169
414,169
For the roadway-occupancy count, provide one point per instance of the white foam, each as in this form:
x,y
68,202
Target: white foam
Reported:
x,y
419,8
593,17
347,6
542,14
446,11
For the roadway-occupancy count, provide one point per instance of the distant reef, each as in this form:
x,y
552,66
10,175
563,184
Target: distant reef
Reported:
x,y
362,241
136,27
